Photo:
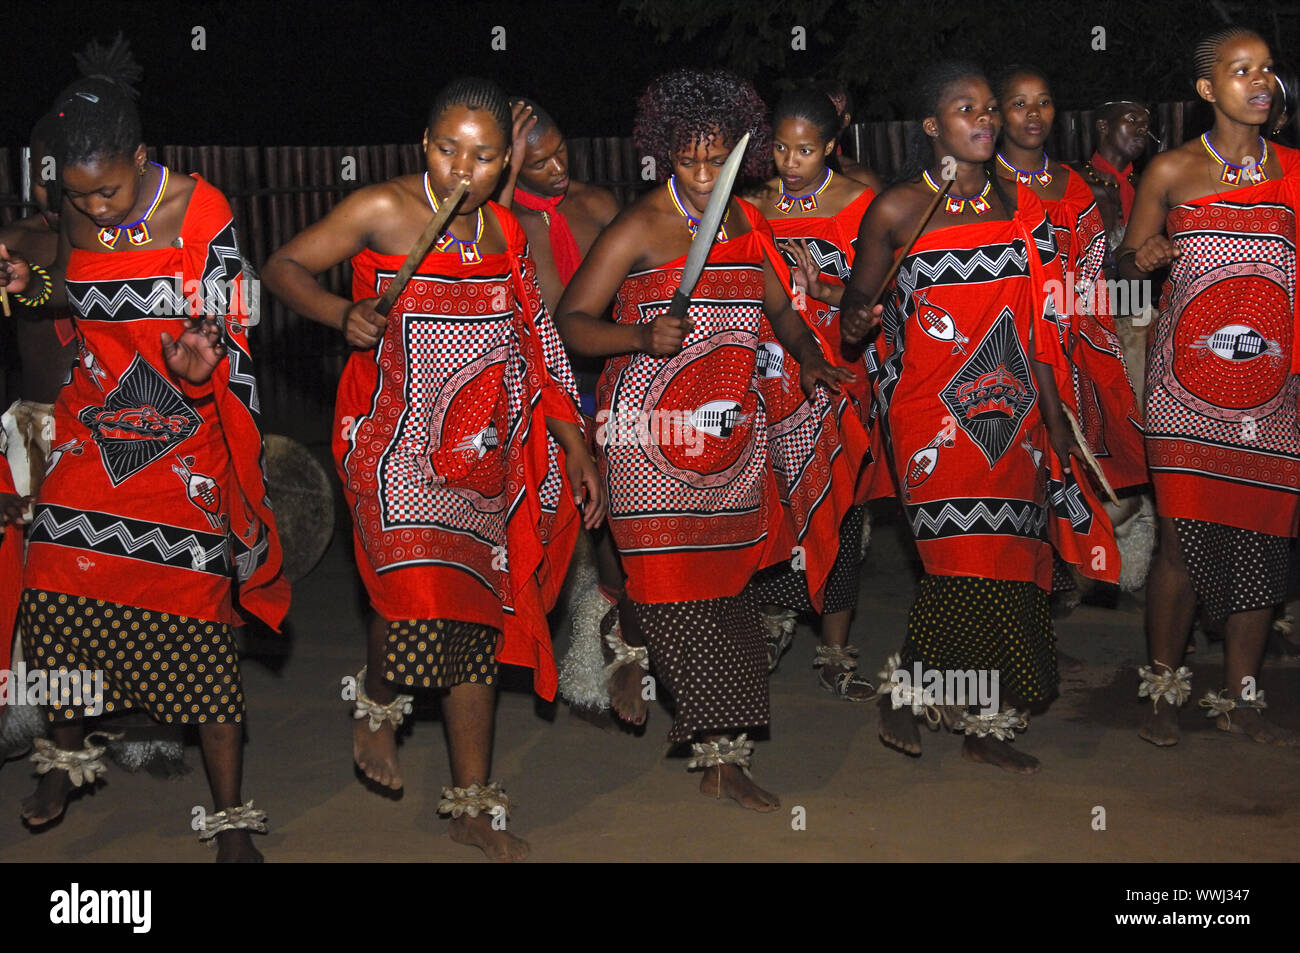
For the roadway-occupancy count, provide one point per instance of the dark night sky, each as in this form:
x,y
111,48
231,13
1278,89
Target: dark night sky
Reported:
x,y
299,73
292,72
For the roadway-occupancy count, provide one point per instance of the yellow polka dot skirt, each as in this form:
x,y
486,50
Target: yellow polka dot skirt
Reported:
x,y
960,623
178,669
440,653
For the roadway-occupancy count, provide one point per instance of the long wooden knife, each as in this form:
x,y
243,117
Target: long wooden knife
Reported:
x,y
421,248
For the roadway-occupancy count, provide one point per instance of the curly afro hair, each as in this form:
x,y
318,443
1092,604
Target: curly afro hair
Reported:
x,y
683,107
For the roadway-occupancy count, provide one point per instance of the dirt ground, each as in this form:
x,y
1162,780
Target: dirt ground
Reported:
x,y
581,793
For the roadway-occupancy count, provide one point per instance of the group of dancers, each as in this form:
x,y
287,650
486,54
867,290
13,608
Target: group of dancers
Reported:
x,y
951,340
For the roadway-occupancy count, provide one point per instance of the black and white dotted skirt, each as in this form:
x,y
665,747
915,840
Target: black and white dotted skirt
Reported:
x,y
784,586
711,655
1233,570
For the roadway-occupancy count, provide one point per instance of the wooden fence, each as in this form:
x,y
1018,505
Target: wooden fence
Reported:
x,y
276,191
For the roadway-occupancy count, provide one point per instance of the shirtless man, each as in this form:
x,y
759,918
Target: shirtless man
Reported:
x,y
562,218
537,184
1122,129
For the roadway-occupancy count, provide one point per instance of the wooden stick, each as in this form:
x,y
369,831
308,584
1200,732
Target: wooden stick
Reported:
x,y
421,248
4,302
1088,458
898,261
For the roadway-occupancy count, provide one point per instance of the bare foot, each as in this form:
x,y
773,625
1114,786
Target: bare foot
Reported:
x,y
1252,723
236,847
727,780
1160,727
625,684
500,846
855,688
375,753
898,728
46,804
989,750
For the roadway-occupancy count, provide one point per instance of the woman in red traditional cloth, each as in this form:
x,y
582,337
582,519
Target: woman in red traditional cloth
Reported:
x,y
969,371
441,440
1223,442
1108,413
815,214
694,505
1102,391
154,503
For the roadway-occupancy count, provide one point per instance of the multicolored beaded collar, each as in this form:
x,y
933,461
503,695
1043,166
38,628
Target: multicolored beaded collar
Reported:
x,y
469,253
692,222
1025,178
137,233
807,203
979,204
1252,171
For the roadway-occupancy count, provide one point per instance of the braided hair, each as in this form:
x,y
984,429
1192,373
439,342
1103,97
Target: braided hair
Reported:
x,y
687,106
474,93
96,116
1206,53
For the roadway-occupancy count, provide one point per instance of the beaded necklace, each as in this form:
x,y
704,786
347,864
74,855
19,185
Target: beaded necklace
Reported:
x,y
955,206
807,203
1025,178
1252,172
692,222
469,253
137,233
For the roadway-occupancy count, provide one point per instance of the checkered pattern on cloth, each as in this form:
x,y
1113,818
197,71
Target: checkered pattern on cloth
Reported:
x,y
1221,414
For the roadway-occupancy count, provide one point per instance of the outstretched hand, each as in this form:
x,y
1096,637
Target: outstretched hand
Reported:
x,y
197,352
805,273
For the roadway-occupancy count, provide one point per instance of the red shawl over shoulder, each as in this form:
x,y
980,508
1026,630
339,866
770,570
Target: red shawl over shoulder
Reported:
x,y
1107,408
155,497
983,491
460,506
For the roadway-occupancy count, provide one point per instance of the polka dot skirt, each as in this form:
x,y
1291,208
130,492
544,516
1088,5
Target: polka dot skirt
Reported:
x,y
178,669
786,587
968,622
440,653
1233,570
1062,578
711,656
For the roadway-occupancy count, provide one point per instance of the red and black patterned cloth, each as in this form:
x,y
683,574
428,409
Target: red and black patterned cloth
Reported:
x,y
155,496
1103,394
1222,438
983,491
461,510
